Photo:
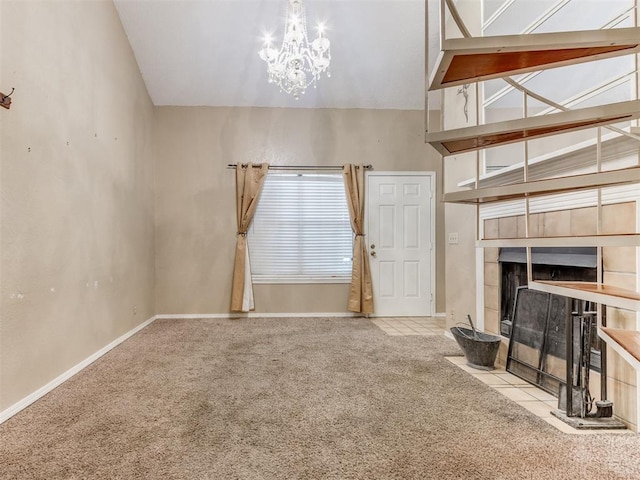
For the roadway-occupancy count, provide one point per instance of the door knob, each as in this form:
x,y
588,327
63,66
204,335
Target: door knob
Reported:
x,y
373,254
372,246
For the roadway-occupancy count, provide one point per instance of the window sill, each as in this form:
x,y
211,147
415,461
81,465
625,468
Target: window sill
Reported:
x,y
264,279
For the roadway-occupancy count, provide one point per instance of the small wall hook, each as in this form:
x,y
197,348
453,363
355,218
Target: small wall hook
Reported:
x,y
5,100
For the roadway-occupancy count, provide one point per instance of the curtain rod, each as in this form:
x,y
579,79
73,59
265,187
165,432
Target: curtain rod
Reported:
x,y
299,167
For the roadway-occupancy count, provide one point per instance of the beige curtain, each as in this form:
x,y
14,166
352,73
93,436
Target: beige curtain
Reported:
x,y
361,292
249,182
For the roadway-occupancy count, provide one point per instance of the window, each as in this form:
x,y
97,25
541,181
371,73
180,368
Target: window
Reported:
x,y
301,230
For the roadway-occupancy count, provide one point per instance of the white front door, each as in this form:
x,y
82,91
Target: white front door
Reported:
x,y
400,237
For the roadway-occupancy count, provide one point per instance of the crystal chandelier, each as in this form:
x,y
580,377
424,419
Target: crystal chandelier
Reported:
x,y
299,62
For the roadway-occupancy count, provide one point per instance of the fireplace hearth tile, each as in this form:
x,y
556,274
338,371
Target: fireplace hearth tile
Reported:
x,y
528,397
517,394
493,380
410,326
538,408
543,396
513,380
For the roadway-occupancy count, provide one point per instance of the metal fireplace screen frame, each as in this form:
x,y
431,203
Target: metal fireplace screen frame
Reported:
x,y
537,348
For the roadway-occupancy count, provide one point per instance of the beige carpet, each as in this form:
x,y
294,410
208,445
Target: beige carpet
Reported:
x,y
292,399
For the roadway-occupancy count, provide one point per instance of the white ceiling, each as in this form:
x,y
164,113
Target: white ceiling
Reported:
x,y
205,52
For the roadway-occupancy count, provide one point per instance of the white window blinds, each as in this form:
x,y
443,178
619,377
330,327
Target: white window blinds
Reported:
x,y
301,231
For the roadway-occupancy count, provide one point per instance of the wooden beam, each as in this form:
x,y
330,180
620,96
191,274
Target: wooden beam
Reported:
x,y
624,342
466,60
464,67
591,292
468,139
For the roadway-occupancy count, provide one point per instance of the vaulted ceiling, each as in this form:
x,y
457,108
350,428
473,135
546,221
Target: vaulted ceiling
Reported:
x,y
205,52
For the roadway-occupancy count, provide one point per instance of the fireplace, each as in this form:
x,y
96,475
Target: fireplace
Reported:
x,y
536,321
619,268
548,263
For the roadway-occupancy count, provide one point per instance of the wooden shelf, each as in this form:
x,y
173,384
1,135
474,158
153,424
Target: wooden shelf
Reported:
x,y
545,187
624,342
467,60
621,240
468,139
591,292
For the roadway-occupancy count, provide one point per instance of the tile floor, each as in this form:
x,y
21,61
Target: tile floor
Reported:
x,y
411,325
532,398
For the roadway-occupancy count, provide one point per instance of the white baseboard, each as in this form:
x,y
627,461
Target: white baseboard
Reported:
x,y
25,402
448,334
435,315
176,316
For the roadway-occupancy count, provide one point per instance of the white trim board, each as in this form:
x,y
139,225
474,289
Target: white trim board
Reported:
x,y
623,240
60,379
195,316
480,289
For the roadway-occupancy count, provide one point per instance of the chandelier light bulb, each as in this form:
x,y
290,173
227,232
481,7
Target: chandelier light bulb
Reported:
x,y
298,63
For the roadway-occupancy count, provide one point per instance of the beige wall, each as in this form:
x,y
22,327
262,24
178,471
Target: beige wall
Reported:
x,y
195,202
460,219
77,241
78,244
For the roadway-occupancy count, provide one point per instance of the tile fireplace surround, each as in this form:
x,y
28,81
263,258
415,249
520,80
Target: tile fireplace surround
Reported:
x,y
619,268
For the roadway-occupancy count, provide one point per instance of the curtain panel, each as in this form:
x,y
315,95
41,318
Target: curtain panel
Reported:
x,y
249,181
361,291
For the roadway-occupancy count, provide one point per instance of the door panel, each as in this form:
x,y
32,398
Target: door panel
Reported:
x,y
399,239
